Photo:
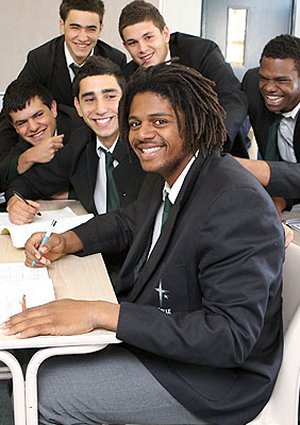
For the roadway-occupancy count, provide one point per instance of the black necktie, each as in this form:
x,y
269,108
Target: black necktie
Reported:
x,y
75,68
272,153
112,198
167,208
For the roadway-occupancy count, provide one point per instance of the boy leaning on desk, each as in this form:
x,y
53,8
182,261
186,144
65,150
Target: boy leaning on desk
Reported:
x,y
199,292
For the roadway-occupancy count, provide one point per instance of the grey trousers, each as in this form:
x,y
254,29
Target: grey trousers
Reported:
x,y
111,386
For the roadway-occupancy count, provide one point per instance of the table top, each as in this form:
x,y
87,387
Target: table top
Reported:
x,y
73,277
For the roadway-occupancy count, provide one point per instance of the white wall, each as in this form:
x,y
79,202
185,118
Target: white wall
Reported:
x,y
25,24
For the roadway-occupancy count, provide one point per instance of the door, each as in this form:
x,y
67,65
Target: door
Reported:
x,y
242,28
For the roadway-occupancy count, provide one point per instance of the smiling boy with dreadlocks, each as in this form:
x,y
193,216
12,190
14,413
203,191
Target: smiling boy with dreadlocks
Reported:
x,y
199,294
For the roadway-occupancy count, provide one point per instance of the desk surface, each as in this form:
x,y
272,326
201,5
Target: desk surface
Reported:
x,y
73,277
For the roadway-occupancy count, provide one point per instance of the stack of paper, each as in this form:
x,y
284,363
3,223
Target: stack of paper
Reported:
x,y
65,217
21,286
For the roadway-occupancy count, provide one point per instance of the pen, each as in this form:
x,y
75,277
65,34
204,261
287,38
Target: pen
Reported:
x,y
21,198
45,238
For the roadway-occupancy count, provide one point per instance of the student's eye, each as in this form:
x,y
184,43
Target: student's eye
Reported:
x,y
20,123
160,121
40,115
92,30
148,37
111,96
88,99
131,43
134,124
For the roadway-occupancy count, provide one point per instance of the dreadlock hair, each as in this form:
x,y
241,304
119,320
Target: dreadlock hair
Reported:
x,y
283,46
20,92
200,117
95,6
140,11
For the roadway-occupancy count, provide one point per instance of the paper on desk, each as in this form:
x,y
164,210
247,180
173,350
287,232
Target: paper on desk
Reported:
x,y
66,220
17,280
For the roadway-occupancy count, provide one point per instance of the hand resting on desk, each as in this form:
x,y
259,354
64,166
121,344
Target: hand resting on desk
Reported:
x,y
56,246
63,317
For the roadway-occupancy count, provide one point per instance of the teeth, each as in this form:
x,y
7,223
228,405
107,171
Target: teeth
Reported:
x,y
102,121
150,150
38,134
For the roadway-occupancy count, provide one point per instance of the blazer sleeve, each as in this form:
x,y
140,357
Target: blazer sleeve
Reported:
x,y
240,252
284,179
42,181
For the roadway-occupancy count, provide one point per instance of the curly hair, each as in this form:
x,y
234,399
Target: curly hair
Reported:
x,y
191,96
283,46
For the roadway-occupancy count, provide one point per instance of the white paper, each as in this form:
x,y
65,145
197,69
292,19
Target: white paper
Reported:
x,y
17,280
65,217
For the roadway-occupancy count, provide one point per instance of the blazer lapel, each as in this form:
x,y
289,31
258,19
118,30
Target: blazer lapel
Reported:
x,y
162,243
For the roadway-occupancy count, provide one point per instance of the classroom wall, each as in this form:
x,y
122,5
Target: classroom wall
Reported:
x,y
25,24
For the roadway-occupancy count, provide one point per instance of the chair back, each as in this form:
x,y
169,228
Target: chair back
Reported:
x,y
282,408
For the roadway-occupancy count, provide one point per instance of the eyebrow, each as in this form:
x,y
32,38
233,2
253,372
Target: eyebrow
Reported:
x,y
154,115
143,35
102,91
18,122
74,24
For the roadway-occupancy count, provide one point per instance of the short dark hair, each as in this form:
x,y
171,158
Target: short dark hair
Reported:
x,y
139,11
20,92
191,96
283,46
95,6
98,65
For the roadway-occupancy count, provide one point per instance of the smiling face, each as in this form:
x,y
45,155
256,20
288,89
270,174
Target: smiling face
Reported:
x,y
98,103
155,137
36,122
279,84
81,30
146,44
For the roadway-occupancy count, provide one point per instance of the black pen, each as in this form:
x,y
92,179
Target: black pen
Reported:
x,y
21,198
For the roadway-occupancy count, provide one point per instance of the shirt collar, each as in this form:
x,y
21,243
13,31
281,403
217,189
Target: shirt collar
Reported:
x,y
100,146
293,113
173,191
69,58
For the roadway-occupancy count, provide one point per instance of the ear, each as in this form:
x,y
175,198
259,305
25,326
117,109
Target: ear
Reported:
x,y
77,106
54,108
62,26
166,34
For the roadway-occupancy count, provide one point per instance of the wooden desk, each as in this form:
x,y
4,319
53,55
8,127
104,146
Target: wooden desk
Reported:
x,y
73,277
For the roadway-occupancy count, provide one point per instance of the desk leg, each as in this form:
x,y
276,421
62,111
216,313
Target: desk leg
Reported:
x,y
18,386
32,370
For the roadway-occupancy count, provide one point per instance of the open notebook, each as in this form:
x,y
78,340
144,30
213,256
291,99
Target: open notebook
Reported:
x,y
23,287
65,217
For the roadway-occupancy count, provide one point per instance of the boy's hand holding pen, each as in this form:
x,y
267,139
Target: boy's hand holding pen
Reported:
x,y
45,238
22,211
